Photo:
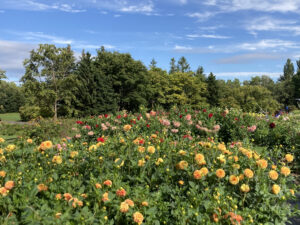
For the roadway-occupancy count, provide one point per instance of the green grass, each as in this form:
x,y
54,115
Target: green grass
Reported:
x,y
10,117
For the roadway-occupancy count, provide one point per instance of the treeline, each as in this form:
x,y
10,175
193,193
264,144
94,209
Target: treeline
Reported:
x,y
55,84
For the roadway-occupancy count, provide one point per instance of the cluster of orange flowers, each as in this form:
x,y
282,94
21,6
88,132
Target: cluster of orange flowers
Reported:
x,y
45,145
8,186
69,198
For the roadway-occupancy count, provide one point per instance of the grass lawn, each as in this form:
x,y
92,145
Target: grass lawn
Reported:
x,y
10,117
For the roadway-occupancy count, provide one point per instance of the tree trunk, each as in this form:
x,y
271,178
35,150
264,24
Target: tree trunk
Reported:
x,y
55,110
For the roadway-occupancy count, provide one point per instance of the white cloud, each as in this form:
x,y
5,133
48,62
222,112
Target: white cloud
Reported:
x,y
201,16
247,58
69,8
276,46
213,36
257,5
41,37
13,53
138,8
268,44
127,6
272,24
183,1
247,74
182,48
92,46
33,5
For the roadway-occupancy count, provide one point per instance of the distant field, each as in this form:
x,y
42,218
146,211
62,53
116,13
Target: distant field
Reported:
x,y
10,117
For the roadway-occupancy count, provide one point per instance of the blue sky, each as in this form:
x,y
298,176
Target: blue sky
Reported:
x,y
231,38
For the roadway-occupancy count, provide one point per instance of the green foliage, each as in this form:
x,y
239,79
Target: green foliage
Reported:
x,y
159,170
183,65
29,112
185,89
173,67
2,75
288,71
213,90
49,81
158,87
11,97
45,129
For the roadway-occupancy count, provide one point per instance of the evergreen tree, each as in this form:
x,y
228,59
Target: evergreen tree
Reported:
x,y
213,90
296,84
200,74
128,77
285,86
173,67
2,75
183,65
288,71
153,64
95,93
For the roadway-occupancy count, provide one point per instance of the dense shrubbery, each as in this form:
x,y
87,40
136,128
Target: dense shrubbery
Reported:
x,y
152,168
11,97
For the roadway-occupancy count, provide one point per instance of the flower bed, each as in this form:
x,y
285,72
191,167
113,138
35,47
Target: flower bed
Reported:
x,y
150,168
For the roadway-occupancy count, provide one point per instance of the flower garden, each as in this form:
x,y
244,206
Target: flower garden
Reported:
x,y
210,166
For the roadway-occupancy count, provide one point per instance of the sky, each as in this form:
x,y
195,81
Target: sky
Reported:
x,y
231,38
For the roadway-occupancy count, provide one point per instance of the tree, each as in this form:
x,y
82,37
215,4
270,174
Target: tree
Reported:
x,y
11,97
255,98
50,71
288,71
95,93
173,67
264,81
158,87
2,75
128,78
213,91
153,64
183,65
200,74
185,89
285,86
296,82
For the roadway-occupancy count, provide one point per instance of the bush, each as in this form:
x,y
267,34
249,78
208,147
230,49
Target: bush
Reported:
x,y
29,112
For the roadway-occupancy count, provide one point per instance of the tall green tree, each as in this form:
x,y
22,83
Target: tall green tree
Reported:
x,y
173,66
128,77
158,87
50,70
296,84
153,64
288,71
213,90
11,97
183,66
285,87
95,93
200,74
2,75
185,89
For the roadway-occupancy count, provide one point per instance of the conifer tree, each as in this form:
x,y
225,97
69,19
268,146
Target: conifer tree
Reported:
x,y
213,91
173,67
183,65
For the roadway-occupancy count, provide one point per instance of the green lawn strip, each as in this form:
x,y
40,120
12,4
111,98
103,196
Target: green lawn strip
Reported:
x,y
10,117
